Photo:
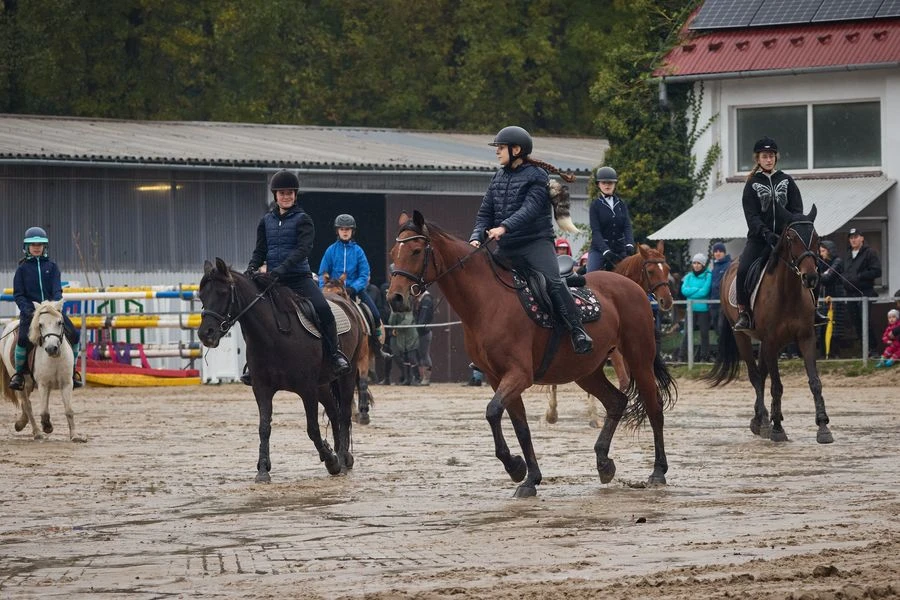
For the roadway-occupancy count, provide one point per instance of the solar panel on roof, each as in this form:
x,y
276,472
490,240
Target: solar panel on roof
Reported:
x,y
845,10
785,12
720,14
889,8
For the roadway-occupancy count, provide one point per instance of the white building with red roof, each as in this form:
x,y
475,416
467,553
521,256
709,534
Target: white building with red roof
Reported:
x,y
821,77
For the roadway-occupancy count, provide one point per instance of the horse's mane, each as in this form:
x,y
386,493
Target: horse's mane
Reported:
x,y
34,330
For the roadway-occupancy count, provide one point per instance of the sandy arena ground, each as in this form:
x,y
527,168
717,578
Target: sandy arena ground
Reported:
x,y
160,501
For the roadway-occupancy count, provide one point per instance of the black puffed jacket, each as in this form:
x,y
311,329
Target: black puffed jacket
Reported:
x,y
519,200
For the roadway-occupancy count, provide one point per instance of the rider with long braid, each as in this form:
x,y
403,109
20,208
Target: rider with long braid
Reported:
x,y
516,211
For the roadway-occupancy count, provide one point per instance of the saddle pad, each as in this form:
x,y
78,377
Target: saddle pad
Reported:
x,y
340,319
755,274
585,301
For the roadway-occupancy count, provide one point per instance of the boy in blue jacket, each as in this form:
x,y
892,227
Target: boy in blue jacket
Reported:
x,y
346,257
37,279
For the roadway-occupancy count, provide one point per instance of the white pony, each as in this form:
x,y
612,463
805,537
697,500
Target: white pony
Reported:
x,y
51,369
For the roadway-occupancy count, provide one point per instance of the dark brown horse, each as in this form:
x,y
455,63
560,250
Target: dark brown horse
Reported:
x,y
783,313
508,347
282,355
649,269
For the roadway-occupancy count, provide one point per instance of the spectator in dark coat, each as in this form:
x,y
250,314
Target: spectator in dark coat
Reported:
x,y
720,264
831,285
862,269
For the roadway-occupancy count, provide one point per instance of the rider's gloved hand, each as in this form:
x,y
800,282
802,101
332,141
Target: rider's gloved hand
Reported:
x,y
278,273
772,238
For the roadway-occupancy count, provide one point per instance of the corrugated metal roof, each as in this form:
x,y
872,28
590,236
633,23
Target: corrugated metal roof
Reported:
x,y
719,214
26,137
831,45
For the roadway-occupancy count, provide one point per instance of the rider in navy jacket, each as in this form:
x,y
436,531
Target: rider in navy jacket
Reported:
x,y
284,239
612,238
516,211
37,279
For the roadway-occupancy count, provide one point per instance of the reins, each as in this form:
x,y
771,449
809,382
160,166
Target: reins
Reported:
x,y
419,284
226,322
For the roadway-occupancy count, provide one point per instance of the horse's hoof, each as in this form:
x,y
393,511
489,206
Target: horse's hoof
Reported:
x,y
754,426
348,461
20,425
778,436
79,439
39,436
263,477
551,418
606,469
656,479
518,469
765,431
595,423
333,464
824,436
364,418
525,491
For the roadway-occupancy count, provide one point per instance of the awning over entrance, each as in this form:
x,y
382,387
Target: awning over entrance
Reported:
x,y
719,214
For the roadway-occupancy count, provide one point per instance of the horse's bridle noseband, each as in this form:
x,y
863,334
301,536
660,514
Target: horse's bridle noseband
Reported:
x,y
646,275
795,261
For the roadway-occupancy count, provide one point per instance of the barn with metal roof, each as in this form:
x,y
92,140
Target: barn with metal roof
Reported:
x,y
137,202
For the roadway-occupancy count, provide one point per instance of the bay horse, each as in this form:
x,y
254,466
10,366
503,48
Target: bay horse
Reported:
x,y
366,360
649,269
508,346
51,361
783,313
282,355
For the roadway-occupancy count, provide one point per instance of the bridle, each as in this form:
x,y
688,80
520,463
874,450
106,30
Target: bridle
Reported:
x,y
419,285
227,321
645,275
794,263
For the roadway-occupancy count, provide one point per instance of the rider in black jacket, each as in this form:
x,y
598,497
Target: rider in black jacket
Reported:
x,y
516,211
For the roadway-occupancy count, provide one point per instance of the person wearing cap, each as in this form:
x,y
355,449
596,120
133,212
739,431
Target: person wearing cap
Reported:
x,y
517,212
696,286
766,185
611,236
721,262
563,248
37,278
863,267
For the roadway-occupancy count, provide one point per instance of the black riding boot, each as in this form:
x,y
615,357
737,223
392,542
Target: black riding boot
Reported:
x,y
332,350
565,307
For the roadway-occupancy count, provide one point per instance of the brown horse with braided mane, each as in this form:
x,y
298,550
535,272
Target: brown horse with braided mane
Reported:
x,y
509,347
783,313
649,269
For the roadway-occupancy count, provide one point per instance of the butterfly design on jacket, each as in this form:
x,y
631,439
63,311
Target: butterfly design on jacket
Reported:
x,y
764,193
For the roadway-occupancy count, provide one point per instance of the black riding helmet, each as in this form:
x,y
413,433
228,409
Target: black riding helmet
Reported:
x,y
514,136
284,180
606,174
765,143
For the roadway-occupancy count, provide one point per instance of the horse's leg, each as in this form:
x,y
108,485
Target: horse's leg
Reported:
x,y
44,395
27,416
515,407
311,407
264,404
66,392
516,466
618,363
778,434
614,402
363,391
759,424
341,416
807,348
551,415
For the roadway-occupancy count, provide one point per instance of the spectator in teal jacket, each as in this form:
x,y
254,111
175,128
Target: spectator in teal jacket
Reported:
x,y
695,286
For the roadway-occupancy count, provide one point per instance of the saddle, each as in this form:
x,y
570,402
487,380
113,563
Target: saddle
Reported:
x,y
532,292
305,312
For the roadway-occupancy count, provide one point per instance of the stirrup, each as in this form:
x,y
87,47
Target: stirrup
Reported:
x,y
743,322
581,341
77,381
339,363
819,320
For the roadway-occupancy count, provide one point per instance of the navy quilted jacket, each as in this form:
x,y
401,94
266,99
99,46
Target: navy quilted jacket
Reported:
x,y
519,200
284,239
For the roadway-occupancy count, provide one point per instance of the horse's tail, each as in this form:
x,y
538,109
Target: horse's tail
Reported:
x,y
4,383
666,394
728,359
